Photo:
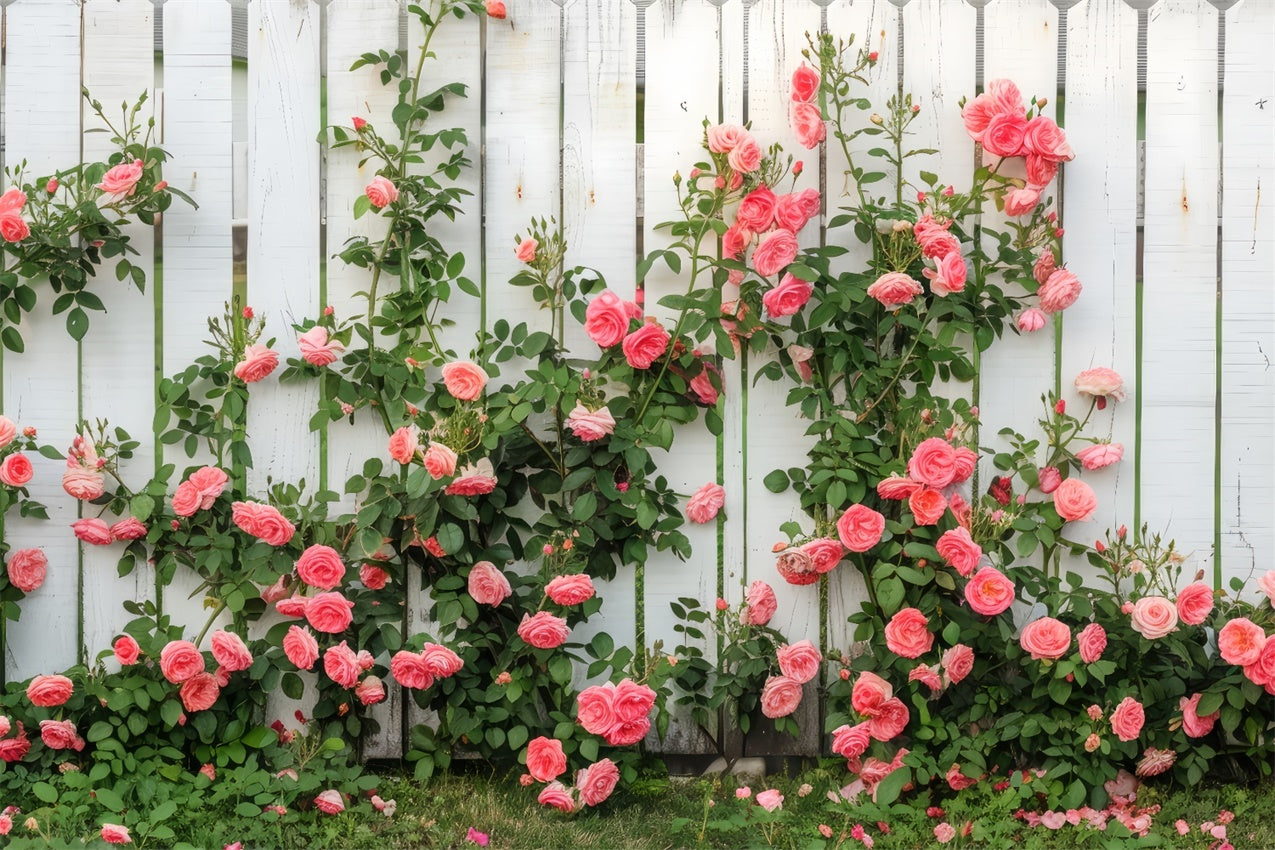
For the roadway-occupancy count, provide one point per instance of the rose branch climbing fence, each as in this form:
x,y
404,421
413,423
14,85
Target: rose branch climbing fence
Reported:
x,y
587,116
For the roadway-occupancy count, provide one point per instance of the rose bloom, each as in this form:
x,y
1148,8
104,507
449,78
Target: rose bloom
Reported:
x,y
49,691
775,251
440,461
1193,724
1240,641
129,528
496,9
805,83
806,122
487,584
330,802
944,832
788,297
958,662
199,692
8,428
746,156
1100,454
1154,617
544,630
645,345
1194,603
780,696
722,138
894,289
230,651
1059,291
16,470
795,567
897,487
927,675
824,553
13,227
126,650
1044,138
179,660
1127,719
597,781
1022,201
474,479
1267,584
113,833
464,380
933,463
1031,320
381,191
934,238
545,759
1100,382
851,741
959,550
735,240
590,425
889,720
860,528
120,181
27,569
370,691
409,670
81,483
596,713
965,461
795,209
258,362
770,799
570,590
342,665
705,503
373,577
927,506
317,349
607,318
800,661
760,604
907,634
1046,639
702,385
440,661
756,210
1004,134
293,606
93,531
1075,500
329,612
262,521
320,566
869,693
1040,171
526,250
556,795
405,443
989,592
949,275
1154,762
1092,641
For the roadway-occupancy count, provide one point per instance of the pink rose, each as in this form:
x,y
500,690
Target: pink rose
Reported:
x,y
976,114
330,802
487,584
735,240
409,670
49,691
897,487
544,630
590,425
760,604
1030,320
262,521
1092,642
933,463
329,612
1075,500
745,157
1045,639
320,566
1100,382
851,741
1154,617
1044,266
705,503
440,461
381,191
199,692
806,122
496,9
464,380
16,470
13,227
794,210
1262,671
800,661
775,251
788,297
129,528
120,181
27,569
934,238
958,662
989,592
889,720
805,83
1046,139
317,349
179,660
126,650
258,362
780,696
927,506
860,528
60,735
1100,454
342,665
230,651
473,479
597,781
440,661
556,795
927,675
948,276
370,691
824,553
1193,724
1059,291
8,429
526,251
1048,479
596,714
301,647
722,138
645,345
93,531
1240,641
1040,170
570,590
373,577
293,606
907,634
546,760
405,443
82,483
944,832
1127,719
757,210
702,385
869,693
959,550
113,833
186,499
963,464
1194,603
795,567
606,319
1267,584
770,799
1004,133
1021,201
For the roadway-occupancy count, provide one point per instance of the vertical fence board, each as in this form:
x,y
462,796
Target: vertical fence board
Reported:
x,y
1248,301
42,126
938,69
117,357
1179,386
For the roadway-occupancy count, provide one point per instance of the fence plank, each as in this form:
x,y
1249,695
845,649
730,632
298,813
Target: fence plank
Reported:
x,y
1178,389
42,126
118,356
1248,303
938,69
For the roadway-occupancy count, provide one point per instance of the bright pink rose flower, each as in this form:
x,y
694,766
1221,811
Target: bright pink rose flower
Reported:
x,y
293,606
179,660
889,720
49,691
760,604
795,209
894,289
440,461
1193,724
933,463
230,651
543,630
907,634
756,211
966,459
1127,719
645,345
487,584
705,503
27,569
958,662
1019,202
329,612
897,487
959,550
1240,641
949,274
934,238
1045,139
409,670
526,250
186,499
262,521
590,425
440,661
869,693
320,566
1092,642
805,83
8,428
464,380
795,567
258,362
597,781
780,696
1267,583
775,251
1262,671
722,138
1046,639
851,741
120,181
16,470
330,802
989,592
496,9
927,506
381,191
570,590
546,760
1031,320
596,713
199,692
1100,454
1075,500
126,650
342,665
317,349
607,319
927,675
1059,291
60,735
129,528
370,691
473,479
373,577
799,661
1154,617
735,240
788,297
806,122
82,483
860,528
770,799
824,553
113,833
1049,479
1004,134
556,795
1040,171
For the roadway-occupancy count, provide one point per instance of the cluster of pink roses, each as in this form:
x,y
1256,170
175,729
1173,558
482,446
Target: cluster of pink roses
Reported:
x,y
798,664
804,118
607,321
13,227
617,712
419,670
546,761
937,243
773,221
1246,644
15,469
804,564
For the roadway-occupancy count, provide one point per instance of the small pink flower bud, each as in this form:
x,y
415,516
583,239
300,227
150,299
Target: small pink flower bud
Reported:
x,y
1061,407
722,604
874,56
920,197
797,168
949,192
51,186
247,312
359,123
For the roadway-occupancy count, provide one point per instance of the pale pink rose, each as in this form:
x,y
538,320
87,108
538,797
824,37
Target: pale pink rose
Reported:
x,y
366,660
409,670
556,795
959,550
607,319
770,799
329,612
1040,170
330,802
1004,133
1059,291
27,569
596,714
526,251
258,362
851,741
13,227
126,650
645,345
869,693
370,691
907,634
1154,762
1267,583
1241,641
894,289
120,181
590,425
976,114
722,138
129,528
320,566
93,531
775,251
860,528
788,297
1075,500
806,122
440,461
927,675
570,590
1127,719
301,647
179,660
1049,478
780,696
1194,603
949,275
1154,617
927,506
824,553
440,661
16,470
795,567
897,487
473,479
1045,639
1100,454
544,630
933,463
800,356
760,604
1193,724
705,503
546,760
381,191
230,651
800,661
464,380
199,692
1005,95
342,665
8,431
794,210
1100,382
958,662
82,483
805,83
373,577
1045,139
317,349
1021,201
597,781
487,584
756,210
405,443
113,833
1092,641
49,691
745,157
889,720
989,592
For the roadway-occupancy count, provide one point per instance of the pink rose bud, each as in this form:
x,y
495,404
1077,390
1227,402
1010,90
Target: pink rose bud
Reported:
x,y
346,408
29,431
874,56
1099,547
1041,102
548,549
720,182
1059,233
623,486
175,525
1121,532
920,197
949,192
974,411
916,107
1061,407
1126,608
722,604
587,374
247,312
1031,320
496,9
51,186
797,168
359,123
328,310
161,185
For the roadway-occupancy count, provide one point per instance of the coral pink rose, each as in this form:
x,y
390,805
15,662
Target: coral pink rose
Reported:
x,y
1040,171
934,238
1127,719
645,345
1046,639
293,606
1045,139
570,590
889,720
705,503
1267,585
126,650
870,691
794,210
1262,671
464,380
487,584
113,833
959,550
780,696
770,799
927,675
1240,641
1048,479
16,470
473,479
556,795
93,531
787,298
702,385
1100,382
27,569
263,522
8,431
596,714
800,661
735,240
405,443
894,289
745,157
1022,201
84,484
179,660
806,122
120,181
907,634
760,604
496,9
381,191
320,566
543,630
1100,454
1154,617
949,274
409,670
342,665
722,138
757,210
775,251
1043,268
258,362
590,425
301,647
1031,320
129,528
186,499
805,83
230,651
964,462
851,741
373,577
49,691
606,319
933,463
316,349
860,528
597,781
370,691
958,662
526,250
1193,724
199,692
440,461
329,612
440,661
795,567
1092,641
330,802
927,506
1059,291
1004,133
545,759
897,487
824,553
989,592
1075,500
60,735
13,227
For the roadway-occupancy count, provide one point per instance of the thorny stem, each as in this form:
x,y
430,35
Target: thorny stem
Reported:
x,y
221,606
897,375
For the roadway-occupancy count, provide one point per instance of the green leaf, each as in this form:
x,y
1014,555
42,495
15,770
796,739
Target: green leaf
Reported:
x,y
45,792
107,797
12,339
77,324
777,481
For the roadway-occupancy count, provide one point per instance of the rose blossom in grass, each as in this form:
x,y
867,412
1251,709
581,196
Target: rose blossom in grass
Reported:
x,y
126,650
543,630
329,612
907,634
1240,641
1075,500
546,760
927,506
958,662
230,651
464,380
860,528
799,661
199,692
590,425
1193,724
1154,617
1154,762
179,660
373,577
760,604
645,345
258,362
1045,639
570,590
409,670
49,691
473,479
770,799
1100,454
780,696
27,569
113,833
263,522
526,250
596,782
330,802
1092,642
705,503
959,550
1127,719
555,794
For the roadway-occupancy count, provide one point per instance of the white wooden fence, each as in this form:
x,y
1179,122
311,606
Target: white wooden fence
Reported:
x,y
590,107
